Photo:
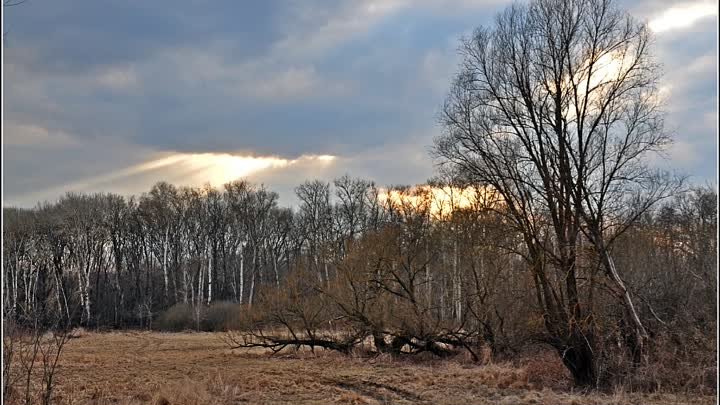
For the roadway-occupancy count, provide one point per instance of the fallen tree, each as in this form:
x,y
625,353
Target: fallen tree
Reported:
x,y
371,305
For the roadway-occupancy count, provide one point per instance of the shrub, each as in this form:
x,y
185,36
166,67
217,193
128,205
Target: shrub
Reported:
x,y
678,361
220,316
176,318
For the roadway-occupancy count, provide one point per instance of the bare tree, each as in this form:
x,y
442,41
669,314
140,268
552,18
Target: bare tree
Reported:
x,y
316,218
32,347
157,210
556,108
352,208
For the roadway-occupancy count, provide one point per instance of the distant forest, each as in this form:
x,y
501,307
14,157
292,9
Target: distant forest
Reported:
x,y
106,261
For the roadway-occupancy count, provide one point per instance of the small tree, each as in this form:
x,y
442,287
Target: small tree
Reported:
x,y
32,346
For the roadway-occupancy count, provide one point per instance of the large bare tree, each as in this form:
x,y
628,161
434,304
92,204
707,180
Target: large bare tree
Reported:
x,y
556,107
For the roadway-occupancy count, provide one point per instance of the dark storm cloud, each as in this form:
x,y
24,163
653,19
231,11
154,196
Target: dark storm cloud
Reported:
x,y
80,37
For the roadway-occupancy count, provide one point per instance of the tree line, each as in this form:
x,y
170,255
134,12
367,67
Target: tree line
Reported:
x,y
107,260
431,266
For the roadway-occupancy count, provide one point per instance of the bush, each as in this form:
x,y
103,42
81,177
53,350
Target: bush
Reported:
x,y
176,318
681,360
219,316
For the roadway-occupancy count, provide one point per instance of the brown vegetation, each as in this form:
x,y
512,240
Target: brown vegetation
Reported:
x,y
198,368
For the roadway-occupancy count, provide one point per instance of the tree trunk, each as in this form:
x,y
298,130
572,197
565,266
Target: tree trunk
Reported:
x,y
186,282
578,357
275,269
327,275
210,278
242,272
457,285
252,288
428,279
201,279
640,335
61,292
164,264
15,286
252,278
234,279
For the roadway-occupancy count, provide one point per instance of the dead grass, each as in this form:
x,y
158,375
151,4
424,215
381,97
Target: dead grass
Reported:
x,y
133,368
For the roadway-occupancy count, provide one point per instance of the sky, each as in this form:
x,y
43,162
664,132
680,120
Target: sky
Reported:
x,y
113,96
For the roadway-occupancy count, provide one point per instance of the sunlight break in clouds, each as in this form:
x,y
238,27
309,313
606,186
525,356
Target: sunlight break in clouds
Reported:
x,y
221,168
682,16
184,169
439,201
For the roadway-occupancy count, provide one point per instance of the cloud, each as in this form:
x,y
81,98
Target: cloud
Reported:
x,y
213,69
682,153
32,174
437,69
118,78
29,135
295,83
682,16
315,28
386,165
99,89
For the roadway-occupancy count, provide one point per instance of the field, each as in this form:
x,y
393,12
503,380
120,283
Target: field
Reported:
x,y
199,368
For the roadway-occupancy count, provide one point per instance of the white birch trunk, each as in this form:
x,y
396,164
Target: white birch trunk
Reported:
x,y
81,287
201,280
61,292
185,285
164,264
16,275
87,295
327,275
33,290
252,278
457,293
317,266
242,271
443,286
209,272
84,285
275,269
428,280
234,280
27,285
640,332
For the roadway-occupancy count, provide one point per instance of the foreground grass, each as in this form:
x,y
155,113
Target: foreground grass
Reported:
x,y
198,368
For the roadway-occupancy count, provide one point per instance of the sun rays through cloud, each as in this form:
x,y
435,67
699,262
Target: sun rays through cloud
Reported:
x,y
190,169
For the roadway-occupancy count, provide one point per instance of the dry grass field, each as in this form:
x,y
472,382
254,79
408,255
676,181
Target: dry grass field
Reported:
x,y
199,369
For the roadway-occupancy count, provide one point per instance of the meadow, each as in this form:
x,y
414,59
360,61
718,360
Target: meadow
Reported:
x,y
199,368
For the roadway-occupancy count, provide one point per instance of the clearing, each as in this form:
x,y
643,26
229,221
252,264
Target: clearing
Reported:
x,y
198,368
